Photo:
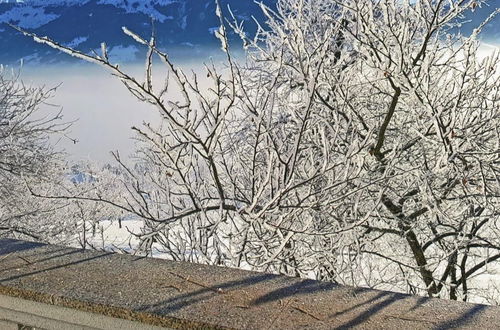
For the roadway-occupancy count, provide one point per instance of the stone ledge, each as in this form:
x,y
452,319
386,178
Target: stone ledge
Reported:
x,y
190,296
53,317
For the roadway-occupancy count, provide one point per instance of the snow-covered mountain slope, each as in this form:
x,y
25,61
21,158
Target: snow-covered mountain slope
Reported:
x,y
183,27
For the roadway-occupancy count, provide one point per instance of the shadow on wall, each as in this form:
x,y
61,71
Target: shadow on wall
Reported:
x,y
466,319
356,314
11,245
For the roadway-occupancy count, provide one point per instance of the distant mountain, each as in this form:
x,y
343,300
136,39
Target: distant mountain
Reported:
x,y
183,27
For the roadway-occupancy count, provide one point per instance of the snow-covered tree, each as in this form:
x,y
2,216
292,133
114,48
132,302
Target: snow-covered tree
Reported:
x,y
31,168
429,105
358,142
27,156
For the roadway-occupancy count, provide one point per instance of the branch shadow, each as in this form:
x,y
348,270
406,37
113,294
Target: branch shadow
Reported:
x,y
378,296
420,301
370,308
27,260
47,269
466,319
181,301
367,309
8,245
299,288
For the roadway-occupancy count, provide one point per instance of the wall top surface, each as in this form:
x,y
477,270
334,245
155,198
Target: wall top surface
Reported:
x,y
184,295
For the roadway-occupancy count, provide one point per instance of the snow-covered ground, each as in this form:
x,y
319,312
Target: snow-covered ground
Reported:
x,y
113,235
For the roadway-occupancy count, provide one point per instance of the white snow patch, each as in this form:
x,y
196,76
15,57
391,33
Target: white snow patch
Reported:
x,y
54,2
486,50
145,7
27,17
122,53
33,59
183,23
490,46
110,236
243,17
77,41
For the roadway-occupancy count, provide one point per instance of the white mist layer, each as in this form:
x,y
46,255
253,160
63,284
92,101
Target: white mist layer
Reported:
x,y
103,109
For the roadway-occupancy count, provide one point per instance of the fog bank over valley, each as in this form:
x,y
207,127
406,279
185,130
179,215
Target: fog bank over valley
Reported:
x,y
102,108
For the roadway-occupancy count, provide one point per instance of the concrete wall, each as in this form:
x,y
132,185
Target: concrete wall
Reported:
x,y
17,311
56,287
